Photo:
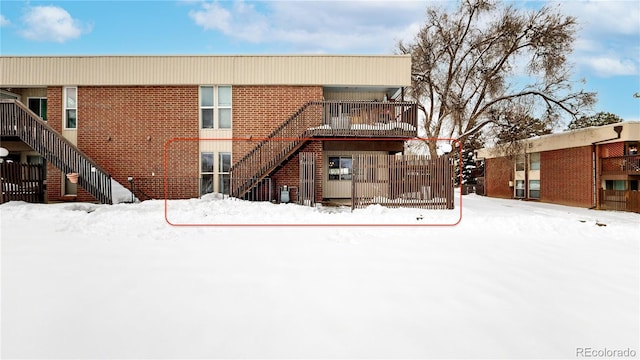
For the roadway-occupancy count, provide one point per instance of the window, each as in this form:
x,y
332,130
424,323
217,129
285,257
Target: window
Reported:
x,y
534,161
39,107
520,163
70,108
615,185
340,167
215,107
224,165
534,189
206,173
519,189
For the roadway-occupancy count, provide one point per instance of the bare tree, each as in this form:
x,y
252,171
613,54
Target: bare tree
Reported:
x,y
485,58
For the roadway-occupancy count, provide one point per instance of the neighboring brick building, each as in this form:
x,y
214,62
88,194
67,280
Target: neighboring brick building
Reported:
x,y
144,121
594,167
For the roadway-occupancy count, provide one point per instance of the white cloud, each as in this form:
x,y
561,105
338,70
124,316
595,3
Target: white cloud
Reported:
x,y
612,66
601,18
607,39
315,26
4,21
51,23
241,21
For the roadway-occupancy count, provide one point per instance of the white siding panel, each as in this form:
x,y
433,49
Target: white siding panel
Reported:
x,y
327,70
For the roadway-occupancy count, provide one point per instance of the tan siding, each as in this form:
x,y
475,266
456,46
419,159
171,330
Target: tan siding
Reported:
x,y
33,92
71,135
390,70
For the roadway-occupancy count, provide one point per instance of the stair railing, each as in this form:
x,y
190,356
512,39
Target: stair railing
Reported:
x,y
275,148
19,121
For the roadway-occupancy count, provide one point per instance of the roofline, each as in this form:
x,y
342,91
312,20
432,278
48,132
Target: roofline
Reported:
x,y
149,70
571,139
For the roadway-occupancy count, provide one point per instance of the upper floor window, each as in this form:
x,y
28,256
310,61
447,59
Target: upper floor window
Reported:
x,y
520,163
534,161
70,108
215,107
39,107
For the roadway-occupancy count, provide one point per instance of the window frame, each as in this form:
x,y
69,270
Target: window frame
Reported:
x,y
342,176
520,163
40,102
66,108
531,189
215,107
224,175
519,189
534,161
207,174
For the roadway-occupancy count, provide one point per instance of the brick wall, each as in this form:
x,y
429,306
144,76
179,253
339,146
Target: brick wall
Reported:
x,y
258,110
566,177
124,129
54,119
612,150
289,174
498,173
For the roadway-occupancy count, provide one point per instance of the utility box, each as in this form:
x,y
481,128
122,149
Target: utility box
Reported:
x,y
284,194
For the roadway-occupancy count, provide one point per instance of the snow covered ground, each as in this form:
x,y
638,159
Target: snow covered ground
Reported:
x,y
513,279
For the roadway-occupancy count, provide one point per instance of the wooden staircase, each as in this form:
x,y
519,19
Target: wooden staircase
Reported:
x,y
315,119
18,121
275,149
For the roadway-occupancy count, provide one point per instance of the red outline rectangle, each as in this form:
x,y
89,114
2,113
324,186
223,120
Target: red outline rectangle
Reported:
x,y
166,145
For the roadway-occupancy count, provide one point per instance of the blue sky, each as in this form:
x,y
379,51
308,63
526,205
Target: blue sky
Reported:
x,y
606,56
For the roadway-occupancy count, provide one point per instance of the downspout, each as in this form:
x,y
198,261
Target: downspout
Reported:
x,y
594,146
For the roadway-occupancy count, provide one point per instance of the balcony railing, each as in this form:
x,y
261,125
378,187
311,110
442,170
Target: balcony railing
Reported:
x,y
367,119
621,165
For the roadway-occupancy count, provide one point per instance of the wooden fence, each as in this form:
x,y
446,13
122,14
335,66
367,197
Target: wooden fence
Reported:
x,y
22,182
621,200
403,181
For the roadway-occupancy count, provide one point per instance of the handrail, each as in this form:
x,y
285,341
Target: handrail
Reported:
x,y
321,118
267,154
20,121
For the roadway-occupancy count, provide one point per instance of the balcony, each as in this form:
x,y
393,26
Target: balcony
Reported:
x,y
620,165
366,119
